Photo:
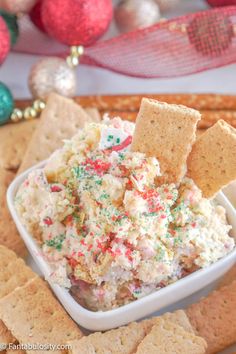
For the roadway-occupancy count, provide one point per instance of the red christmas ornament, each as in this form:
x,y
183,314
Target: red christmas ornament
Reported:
x,y
211,35
5,41
221,2
76,22
36,16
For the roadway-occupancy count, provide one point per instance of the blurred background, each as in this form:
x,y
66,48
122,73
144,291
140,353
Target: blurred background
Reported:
x,y
15,70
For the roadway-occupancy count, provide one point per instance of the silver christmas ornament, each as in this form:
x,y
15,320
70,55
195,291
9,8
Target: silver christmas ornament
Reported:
x,y
17,6
166,5
132,14
52,75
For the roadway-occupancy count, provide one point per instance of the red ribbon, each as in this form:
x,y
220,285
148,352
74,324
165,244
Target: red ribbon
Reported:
x,y
181,46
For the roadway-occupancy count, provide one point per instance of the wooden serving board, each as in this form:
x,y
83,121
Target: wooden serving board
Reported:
x,y
213,107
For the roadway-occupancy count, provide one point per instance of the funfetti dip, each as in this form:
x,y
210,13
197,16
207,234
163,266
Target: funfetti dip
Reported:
x,y
109,232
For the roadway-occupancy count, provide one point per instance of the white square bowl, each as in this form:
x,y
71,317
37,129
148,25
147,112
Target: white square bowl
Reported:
x,y
99,321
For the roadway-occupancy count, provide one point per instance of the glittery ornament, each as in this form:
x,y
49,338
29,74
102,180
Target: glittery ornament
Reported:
x,y
221,2
52,75
17,6
212,34
4,40
166,5
11,21
133,14
36,16
6,103
76,22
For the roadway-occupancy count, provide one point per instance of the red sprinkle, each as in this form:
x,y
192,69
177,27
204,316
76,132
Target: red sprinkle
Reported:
x,y
26,183
118,252
128,254
72,262
68,220
98,165
56,189
90,247
48,221
80,254
163,216
193,224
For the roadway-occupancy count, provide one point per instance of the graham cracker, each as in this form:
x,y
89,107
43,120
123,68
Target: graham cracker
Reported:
x,y
33,315
214,318
212,162
178,317
13,274
227,278
14,139
6,255
60,119
94,114
125,339
9,235
166,131
5,335
167,337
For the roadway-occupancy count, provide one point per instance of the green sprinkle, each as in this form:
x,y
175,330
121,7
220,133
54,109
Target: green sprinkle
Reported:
x,y
56,242
121,156
104,196
118,140
79,172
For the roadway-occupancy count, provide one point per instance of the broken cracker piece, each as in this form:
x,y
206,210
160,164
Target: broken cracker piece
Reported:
x,y
167,337
212,161
60,120
214,318
167,132
125,339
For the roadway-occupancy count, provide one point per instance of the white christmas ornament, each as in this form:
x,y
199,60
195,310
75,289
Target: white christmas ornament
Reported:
x,y
166,5
133,14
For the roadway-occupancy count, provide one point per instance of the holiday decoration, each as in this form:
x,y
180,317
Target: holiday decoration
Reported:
x,y
166,5
221,2
133,14
4,40
6,103
30,112
52,75
76,22
36,16
11,21
184,45
17,6
211,35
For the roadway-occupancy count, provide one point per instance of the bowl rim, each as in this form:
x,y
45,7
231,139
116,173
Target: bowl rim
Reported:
x,y
44,267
